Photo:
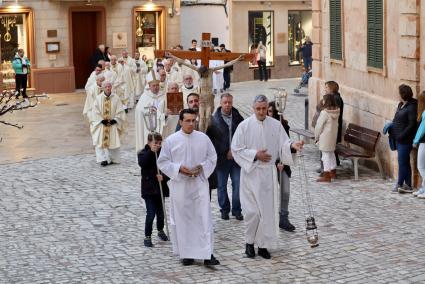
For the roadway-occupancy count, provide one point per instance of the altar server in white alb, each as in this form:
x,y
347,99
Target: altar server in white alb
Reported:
x,y
188,158
151,98
108,121
257,143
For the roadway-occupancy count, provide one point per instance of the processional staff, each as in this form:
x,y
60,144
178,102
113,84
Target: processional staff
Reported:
x,y
311,228
151,119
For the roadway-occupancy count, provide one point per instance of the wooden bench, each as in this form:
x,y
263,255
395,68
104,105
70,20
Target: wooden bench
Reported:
x,y
364,138
303,132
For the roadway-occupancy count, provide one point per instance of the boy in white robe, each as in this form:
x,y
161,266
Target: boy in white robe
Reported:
x,y
107,126
188,158
257,143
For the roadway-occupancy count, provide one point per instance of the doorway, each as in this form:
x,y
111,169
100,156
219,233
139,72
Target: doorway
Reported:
x,y
87,33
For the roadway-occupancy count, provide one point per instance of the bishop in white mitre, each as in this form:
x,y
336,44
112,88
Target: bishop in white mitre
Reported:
x,y
188,158
256,145
108,123
152,98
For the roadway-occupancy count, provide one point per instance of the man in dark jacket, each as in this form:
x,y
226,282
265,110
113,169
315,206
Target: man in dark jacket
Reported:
x,y
150,188
227,70
221,129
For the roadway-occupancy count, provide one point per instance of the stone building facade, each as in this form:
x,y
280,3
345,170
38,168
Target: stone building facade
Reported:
x,y
370,94
55,32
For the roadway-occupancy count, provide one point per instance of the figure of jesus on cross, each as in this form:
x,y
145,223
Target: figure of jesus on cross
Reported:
x,y
206,103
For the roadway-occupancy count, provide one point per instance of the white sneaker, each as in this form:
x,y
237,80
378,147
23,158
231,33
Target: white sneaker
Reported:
x,y
416,193
421,196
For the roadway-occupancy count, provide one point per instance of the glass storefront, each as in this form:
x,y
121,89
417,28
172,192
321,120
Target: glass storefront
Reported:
x,y
148,32
261,28
14,35
299,26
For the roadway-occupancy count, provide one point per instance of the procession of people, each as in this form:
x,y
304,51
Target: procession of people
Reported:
x,y
187,153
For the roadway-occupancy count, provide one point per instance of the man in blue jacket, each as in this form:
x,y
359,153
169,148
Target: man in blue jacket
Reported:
x,y
221,129
21,66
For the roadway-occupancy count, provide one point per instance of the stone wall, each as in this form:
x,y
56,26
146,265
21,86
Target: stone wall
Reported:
x,y
370,95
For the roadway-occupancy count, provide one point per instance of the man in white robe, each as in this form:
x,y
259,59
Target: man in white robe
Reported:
x,y
188,158
91,81
257,143
172,119
151,98
110,75
140,76
118,86
107,126
129,70
218,80
163,80
188,88
91,96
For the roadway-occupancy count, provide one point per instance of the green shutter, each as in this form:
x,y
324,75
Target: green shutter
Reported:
x,y
335,29
375,30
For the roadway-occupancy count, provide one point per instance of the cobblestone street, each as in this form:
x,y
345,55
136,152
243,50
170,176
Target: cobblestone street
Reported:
x,y
65,219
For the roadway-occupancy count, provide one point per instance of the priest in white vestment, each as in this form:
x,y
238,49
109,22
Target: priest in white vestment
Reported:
x,y
118,86
128,71
151,98
188,158
108,123
163,80
257,143
91,96
140,76
110,75
188,88
91,81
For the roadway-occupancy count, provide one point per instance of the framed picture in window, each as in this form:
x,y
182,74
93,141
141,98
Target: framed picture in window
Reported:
x,y
52,47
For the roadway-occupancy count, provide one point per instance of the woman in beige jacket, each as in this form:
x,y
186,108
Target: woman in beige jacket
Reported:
x,y
325,134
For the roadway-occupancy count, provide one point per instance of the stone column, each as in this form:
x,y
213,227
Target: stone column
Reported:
x,y
409,66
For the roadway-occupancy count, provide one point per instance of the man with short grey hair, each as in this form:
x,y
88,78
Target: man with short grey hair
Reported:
x,y
257,143
221,129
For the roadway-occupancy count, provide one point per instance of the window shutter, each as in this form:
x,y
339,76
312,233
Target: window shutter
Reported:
x,y
335,29
375,30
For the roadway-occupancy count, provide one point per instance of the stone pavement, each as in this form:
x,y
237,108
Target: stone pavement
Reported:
x,y
67,220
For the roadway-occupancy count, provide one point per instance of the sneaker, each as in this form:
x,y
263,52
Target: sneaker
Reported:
x,y
162,236
148,242
395,189
405,189
416,193
421,196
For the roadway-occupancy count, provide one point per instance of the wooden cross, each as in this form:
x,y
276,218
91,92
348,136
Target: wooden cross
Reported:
x,y
205,55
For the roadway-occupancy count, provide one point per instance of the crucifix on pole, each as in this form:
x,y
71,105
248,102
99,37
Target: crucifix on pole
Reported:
x,y
206,102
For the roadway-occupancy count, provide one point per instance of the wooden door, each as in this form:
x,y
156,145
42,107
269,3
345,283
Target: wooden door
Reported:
x,y
84,44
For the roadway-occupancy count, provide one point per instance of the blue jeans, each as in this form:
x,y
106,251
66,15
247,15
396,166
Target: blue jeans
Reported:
x,y
229,167
404,170
153,207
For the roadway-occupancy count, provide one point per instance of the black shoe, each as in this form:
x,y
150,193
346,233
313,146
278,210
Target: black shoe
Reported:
x,y
126,110
225,216
249,250
187,261
264,253
104,163
239,217
212,261
162,236
285,224
148,242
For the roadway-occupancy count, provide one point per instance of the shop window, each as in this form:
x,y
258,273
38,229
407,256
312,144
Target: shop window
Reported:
x,y
299,26
14,35
261,28
149,31
335,29
375,30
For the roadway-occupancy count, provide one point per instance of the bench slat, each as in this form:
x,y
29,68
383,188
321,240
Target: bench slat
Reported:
x,y
361,129
348,152
368,144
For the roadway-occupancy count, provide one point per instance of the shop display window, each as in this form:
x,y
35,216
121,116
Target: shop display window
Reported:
x,y
299,26
261,28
